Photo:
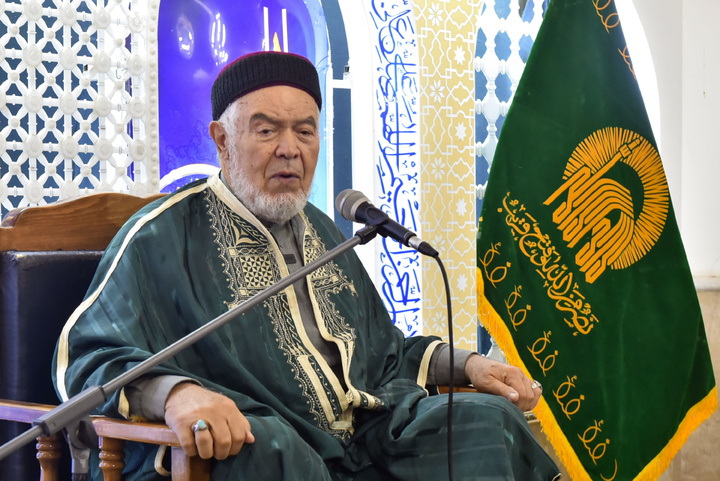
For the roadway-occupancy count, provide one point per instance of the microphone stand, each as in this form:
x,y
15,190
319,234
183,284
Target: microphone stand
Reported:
x,y
73,414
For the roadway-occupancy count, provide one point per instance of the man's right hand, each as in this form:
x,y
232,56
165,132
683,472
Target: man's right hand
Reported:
x,y
228,430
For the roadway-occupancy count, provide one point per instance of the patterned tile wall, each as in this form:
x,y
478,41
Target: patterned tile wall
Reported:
x,y
447,36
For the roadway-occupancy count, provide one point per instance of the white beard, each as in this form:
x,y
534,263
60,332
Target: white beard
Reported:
x,y
276,208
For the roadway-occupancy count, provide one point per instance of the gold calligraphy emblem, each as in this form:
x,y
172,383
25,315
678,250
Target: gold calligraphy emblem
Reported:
x,y
519,316
538,248
614,474
613,226
572,406
599,450
609,18
538,347
588,437
626,58
497,274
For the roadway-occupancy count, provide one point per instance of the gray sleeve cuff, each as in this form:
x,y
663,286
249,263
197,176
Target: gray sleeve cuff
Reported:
x,y
439,370
147,395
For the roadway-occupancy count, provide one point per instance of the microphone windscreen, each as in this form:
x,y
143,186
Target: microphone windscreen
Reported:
x,y
347,203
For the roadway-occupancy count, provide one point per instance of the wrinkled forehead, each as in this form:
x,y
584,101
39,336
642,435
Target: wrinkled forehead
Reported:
x,y
277,102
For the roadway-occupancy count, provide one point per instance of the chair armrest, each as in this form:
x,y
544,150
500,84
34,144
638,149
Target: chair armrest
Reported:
x,y
153,433
113,433
22,412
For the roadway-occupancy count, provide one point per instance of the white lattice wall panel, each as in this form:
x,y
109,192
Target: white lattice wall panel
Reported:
x,y
78,99
501,23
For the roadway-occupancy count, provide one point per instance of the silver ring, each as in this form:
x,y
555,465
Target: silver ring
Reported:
x,y
200,425
536,385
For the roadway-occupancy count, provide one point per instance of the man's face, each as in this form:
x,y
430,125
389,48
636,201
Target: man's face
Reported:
x,y
271,149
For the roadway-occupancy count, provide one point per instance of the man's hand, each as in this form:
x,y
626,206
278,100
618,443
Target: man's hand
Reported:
x,y
492,377
227,429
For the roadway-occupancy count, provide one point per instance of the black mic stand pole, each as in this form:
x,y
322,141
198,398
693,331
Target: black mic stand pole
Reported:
x,y
75,411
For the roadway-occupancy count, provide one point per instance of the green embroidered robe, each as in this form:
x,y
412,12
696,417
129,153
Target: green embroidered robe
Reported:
x,y
191,256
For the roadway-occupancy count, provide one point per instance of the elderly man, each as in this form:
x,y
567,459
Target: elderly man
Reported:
x,y
314,384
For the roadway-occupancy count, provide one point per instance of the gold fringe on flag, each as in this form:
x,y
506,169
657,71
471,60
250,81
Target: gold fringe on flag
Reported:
x,y
699,413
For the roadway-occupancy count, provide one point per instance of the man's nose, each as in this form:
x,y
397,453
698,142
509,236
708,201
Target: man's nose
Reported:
x,y
288,145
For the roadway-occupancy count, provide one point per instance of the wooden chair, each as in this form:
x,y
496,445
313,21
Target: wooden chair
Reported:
x,y
48,255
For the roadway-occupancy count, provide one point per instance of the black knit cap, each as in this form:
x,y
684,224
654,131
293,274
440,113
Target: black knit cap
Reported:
x,y
263,69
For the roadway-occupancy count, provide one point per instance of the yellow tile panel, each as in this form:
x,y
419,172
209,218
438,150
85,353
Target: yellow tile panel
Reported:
x,y
446,42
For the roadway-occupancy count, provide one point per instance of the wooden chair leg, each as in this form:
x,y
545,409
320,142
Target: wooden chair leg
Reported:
x,y
189,469
112,458
48,454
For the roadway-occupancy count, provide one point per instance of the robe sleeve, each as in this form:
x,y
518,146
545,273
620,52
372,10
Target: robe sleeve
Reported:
x,y
136,305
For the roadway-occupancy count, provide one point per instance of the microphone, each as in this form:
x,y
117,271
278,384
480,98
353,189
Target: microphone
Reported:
x,y
355,207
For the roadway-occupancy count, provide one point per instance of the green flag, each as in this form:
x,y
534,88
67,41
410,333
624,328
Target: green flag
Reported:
x,y
582,275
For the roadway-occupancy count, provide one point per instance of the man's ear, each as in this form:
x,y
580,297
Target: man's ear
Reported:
x,y
219,136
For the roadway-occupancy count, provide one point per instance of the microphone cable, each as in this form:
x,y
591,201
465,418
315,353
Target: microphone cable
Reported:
x,y
451,380
356,207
